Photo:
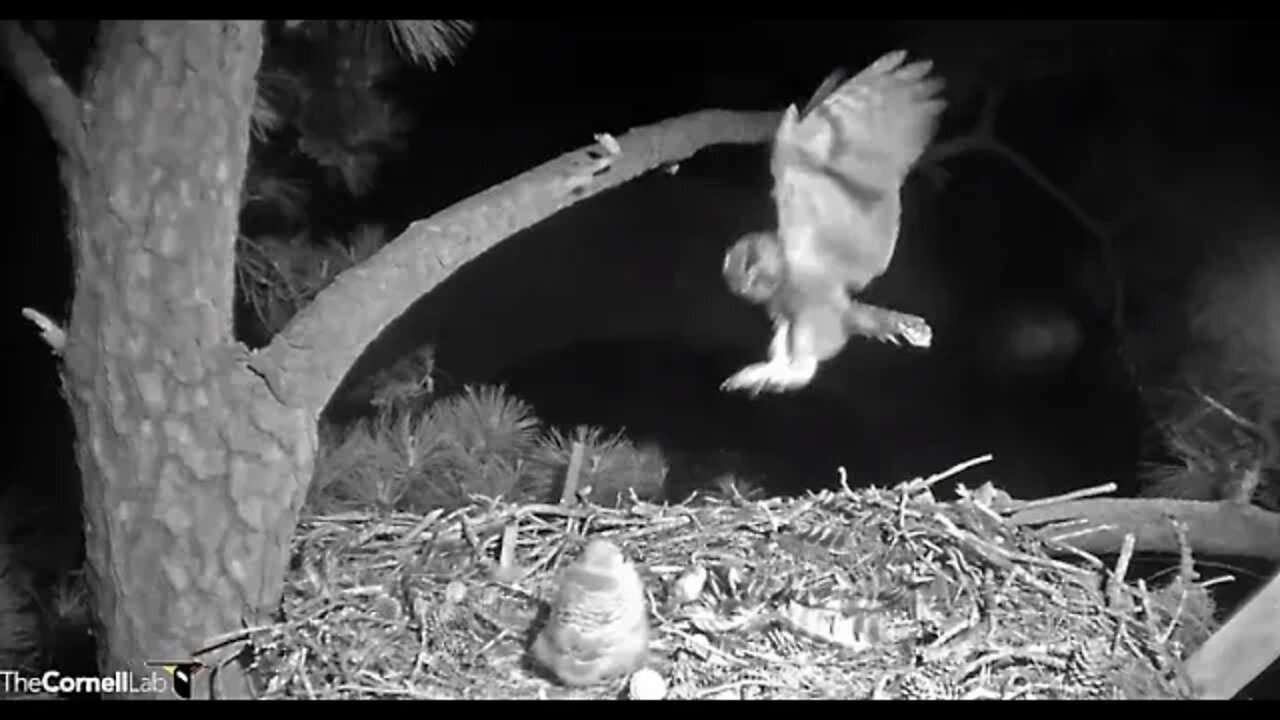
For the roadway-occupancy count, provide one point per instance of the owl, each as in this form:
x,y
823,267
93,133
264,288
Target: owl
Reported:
x,y
838,169
599,625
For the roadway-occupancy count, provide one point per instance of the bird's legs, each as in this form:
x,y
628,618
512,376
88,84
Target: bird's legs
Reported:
x,y
887,325
784,370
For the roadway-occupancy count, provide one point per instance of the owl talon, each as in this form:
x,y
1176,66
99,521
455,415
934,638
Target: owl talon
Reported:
x,y
915,330
911,329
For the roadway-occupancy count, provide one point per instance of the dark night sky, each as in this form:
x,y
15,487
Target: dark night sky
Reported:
x,y
1193,103
611,312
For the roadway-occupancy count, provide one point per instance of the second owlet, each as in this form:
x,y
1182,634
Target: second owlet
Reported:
x,y
838,169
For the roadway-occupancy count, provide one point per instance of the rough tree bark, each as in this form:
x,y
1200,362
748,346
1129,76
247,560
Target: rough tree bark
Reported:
x,y
193,473
195,455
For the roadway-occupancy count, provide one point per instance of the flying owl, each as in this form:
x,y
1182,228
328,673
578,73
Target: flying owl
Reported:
x,y
838,168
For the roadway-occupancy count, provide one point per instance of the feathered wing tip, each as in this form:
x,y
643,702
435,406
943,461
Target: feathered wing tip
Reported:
x,y
834,80
884,64
920,104
891,63
793,117
896,101
912,79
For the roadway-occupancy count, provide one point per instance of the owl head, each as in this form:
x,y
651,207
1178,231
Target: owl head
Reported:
x,y
753,266
601,555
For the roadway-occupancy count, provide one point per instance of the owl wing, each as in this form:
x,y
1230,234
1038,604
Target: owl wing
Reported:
x,y
838,169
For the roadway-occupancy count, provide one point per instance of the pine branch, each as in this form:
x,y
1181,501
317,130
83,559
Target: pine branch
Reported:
x,y
305,362
55,100
430,41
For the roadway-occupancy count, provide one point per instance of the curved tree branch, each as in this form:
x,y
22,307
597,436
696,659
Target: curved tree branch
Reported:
x,y
305,363
55,100
979,138
1217,528
983,139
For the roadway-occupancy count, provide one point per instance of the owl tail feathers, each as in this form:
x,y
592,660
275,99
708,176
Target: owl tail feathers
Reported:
x,y
887,325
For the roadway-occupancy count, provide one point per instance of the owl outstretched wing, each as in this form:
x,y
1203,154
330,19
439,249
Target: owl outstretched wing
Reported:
x,y
838,168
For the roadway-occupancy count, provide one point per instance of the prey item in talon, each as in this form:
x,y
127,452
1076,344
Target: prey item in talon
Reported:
x,y
598,626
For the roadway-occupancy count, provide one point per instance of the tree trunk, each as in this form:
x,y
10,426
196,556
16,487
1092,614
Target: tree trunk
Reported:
x,y
194,469
193,472
196,456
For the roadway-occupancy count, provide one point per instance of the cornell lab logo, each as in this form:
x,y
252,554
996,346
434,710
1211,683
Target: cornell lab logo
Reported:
x,y
181,672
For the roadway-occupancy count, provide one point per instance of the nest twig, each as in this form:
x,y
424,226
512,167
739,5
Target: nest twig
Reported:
x,y
850,594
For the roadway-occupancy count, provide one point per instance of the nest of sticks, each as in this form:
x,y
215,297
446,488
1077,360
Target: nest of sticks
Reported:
x,y
874,593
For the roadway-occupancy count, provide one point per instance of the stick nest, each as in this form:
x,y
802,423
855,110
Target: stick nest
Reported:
x,y
874,593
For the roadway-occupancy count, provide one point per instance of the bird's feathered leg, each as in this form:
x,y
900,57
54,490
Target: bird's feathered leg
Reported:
x,y
797,348
791,363
887,325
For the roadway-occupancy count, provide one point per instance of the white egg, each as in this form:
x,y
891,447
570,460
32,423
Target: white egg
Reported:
x,y
647,684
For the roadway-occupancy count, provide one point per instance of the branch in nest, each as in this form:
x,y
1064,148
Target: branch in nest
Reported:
x,y
32,69
1216,529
